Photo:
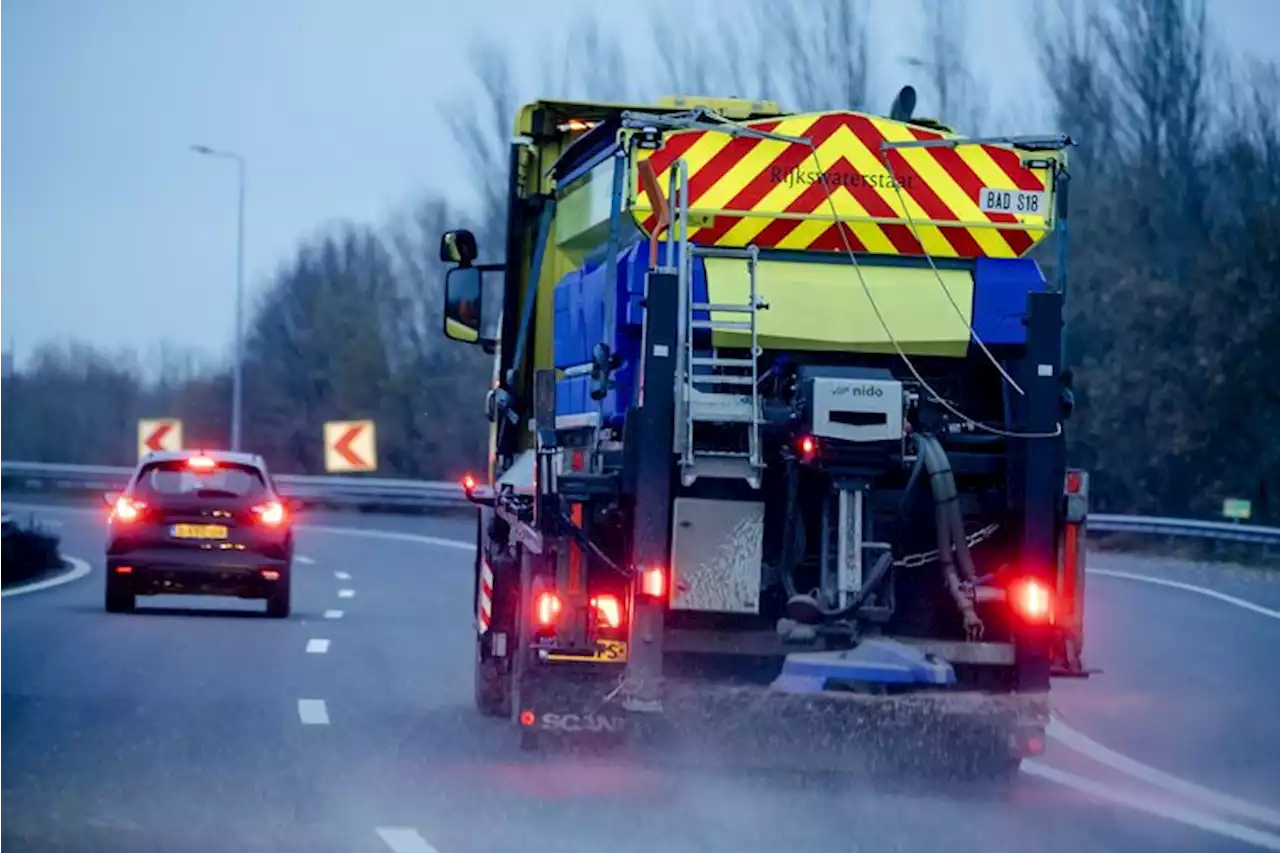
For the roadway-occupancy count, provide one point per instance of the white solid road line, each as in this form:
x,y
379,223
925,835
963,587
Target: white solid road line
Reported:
x,y
306,561
405,839
312,712
342,576
76,569
1164,809
1187,587
333,614
1080,743
346,593
317,647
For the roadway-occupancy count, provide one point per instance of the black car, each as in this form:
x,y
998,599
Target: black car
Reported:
x,y
199,523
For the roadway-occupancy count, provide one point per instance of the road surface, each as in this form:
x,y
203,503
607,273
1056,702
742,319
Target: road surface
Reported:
x,y
199,725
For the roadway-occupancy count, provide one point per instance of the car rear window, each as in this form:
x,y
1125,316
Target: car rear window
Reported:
x,y
176,479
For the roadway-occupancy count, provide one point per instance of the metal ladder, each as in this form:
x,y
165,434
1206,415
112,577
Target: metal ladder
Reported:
x,y
729,394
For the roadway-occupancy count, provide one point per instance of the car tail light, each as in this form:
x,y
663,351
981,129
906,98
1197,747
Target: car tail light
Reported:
x,y
469,484
271,513
807,447
546,609
201,463
1032,600
127,510
608,610
653,581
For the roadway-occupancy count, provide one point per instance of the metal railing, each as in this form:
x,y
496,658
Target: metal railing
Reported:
x,y
346,491
357,491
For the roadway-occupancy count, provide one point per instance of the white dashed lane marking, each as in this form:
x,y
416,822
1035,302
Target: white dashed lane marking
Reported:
x,y
346,593
333,614
312,712
306,561
405,839
342,576
317,647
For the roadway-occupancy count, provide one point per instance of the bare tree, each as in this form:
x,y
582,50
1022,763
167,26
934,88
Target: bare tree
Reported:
x,y
1158,53
809,58
1080,87
945,41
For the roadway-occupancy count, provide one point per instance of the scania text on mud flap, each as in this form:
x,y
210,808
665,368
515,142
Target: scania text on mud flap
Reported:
x,y
789,449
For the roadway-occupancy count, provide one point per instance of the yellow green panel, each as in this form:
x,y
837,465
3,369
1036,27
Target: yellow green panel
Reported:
x,y
816,306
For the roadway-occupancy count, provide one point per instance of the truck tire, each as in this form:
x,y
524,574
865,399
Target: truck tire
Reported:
x,y
492,685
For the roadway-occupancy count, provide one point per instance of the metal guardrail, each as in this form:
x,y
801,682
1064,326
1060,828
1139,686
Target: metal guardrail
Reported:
x,y
1222,531
425,494
350,491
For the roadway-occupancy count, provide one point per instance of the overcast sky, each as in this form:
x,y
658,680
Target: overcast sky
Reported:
x,y
116,234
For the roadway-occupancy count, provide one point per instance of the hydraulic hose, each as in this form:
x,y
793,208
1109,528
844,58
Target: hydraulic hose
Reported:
x,y
946,508
955,520
787,557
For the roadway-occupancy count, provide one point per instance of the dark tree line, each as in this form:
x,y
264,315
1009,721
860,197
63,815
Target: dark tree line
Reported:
x,y
1174,301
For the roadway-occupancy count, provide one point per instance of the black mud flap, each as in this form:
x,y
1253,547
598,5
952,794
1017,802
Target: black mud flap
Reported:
x,y
572,705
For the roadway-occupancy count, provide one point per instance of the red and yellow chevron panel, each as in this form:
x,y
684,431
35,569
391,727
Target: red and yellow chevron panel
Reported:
x,y
969,201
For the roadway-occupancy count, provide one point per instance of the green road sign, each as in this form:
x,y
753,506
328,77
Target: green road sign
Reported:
x,y
1237,508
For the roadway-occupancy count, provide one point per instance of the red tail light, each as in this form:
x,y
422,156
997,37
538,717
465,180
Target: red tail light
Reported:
x,y
653,581
271,514
546,609
608,610
808,447
127,510
1032,600
201,463
468,484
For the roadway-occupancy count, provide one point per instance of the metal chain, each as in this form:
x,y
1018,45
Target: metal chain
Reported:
x,y
914,561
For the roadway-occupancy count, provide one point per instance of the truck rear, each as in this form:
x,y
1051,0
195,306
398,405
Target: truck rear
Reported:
x,y
778,423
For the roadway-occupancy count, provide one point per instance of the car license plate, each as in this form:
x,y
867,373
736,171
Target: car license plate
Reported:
x,y
198,531
605,650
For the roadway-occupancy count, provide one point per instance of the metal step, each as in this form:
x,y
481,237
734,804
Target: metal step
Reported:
x,y
726,308
709,407
721,379
716,361
724,325
737,467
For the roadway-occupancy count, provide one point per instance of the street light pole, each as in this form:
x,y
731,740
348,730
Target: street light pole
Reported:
x,y
237,369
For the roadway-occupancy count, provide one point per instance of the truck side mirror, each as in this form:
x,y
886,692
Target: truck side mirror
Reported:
x,y
458,247
462,296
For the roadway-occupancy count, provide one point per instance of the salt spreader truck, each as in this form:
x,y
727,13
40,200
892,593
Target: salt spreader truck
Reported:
x,y
777,417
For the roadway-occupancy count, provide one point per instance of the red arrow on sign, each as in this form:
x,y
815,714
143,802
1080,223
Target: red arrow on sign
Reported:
x,y
343,447
153,441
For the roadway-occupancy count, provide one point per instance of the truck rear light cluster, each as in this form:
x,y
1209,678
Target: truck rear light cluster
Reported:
x,y
807,447
548,607
608,611
1032,600
653,581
